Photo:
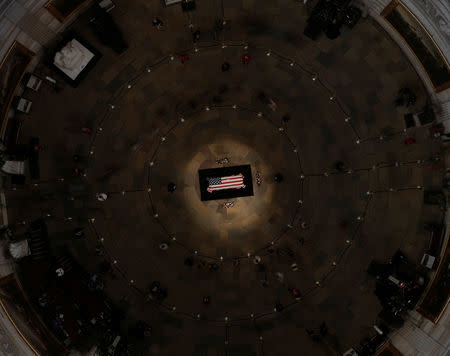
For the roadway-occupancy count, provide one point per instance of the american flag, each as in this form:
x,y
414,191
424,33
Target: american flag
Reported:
x,y
229,182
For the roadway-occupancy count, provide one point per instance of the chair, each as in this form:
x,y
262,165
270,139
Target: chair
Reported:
x,y
106,5
33,82
23,105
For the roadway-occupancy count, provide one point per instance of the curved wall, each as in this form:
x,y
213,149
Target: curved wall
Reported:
x,y
31,24
28,22
435,17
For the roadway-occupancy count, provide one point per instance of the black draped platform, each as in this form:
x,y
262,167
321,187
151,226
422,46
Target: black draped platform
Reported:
x,y
204,174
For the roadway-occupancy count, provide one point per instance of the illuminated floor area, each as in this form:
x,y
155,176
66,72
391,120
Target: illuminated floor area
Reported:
x,y
156,121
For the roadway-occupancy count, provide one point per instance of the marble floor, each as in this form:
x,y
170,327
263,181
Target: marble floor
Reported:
x,y
156,120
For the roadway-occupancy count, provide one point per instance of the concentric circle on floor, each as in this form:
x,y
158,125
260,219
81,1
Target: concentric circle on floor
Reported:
x,y
192,135
208,227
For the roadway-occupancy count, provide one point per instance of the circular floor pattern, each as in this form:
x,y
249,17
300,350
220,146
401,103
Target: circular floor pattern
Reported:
x,y
379,196
244,228
193,137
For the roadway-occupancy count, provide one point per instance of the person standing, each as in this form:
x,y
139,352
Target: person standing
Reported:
x,y
184,58
279,276
171,187
157,22
246,58
295,293
164,246
196,36
102,196
86,130
278,177
225,67
78,232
